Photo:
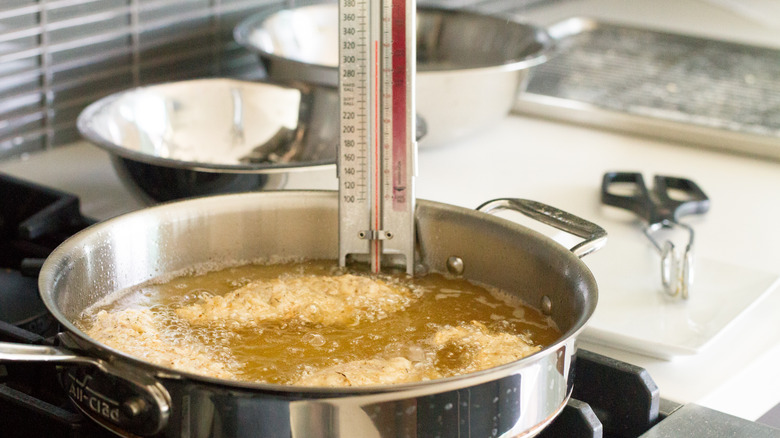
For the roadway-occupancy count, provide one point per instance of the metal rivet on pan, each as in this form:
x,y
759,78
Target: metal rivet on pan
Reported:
x,y
134,406
546,305
455,265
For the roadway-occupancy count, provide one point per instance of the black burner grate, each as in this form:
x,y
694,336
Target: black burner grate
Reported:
x,y
33,221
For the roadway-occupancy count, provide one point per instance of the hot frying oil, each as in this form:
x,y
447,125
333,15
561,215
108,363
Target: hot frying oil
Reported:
x,y
281,351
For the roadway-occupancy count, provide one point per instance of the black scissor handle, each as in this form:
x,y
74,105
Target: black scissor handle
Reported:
x,y
695,200
638,201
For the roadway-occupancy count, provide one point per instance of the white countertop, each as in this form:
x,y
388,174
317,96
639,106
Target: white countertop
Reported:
x,y
562,165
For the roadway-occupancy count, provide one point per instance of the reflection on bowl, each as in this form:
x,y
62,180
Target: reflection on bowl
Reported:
x,y
470,66
211,136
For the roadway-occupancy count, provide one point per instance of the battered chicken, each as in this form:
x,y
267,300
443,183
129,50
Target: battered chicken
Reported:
x,y
474,347
362,372
465,349
137,333
330,300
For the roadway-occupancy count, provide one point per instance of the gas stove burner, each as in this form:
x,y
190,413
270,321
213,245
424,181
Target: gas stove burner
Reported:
x,y
33,221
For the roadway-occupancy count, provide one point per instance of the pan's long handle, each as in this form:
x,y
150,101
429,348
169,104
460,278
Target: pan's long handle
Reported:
x,y
122,400
595,236
42,353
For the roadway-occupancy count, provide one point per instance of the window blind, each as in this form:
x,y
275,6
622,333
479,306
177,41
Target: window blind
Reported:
x,y
57,56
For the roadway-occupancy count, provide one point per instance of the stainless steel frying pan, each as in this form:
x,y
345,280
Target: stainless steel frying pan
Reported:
x,y
134,397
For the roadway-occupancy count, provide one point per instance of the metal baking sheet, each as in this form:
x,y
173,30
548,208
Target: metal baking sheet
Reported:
x,y
706,92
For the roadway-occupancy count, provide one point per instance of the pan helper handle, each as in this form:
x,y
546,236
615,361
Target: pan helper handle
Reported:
x,y
595,236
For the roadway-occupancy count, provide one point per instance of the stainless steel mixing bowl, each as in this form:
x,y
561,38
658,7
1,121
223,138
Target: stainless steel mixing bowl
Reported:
x,y
470,66
209,136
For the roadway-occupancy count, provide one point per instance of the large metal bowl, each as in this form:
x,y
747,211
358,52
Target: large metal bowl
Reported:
x,y
470,66
210,136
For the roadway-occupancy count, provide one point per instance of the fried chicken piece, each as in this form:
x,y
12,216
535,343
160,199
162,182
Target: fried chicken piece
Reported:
x,y
362,372
474,347
330,300
460,350
137,333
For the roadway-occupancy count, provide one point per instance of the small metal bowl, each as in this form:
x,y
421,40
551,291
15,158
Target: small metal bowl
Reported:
x,y
210,136
470,66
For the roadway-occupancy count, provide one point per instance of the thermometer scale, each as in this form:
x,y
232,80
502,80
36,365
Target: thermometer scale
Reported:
x,y
377,147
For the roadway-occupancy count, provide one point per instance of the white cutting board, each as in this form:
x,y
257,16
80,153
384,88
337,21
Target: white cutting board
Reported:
x,y
635,315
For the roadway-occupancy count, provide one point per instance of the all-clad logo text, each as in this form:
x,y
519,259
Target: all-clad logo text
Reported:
x,y
89,398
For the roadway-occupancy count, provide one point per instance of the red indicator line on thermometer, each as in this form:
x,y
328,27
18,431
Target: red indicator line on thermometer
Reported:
x,y
399,79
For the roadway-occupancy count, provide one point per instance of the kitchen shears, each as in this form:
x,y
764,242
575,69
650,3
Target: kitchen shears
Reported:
x,y
670,199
